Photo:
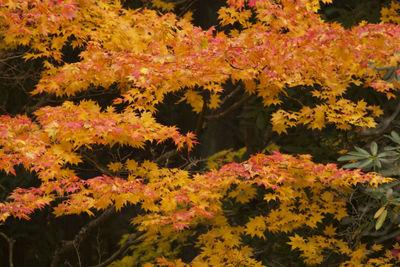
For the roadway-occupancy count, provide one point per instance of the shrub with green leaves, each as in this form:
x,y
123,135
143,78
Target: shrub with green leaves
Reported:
x,y
385,162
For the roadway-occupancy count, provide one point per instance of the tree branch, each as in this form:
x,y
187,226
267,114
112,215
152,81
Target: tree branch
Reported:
x,y
234,92
97,165
202,121
228,110
10,242
131,240
166,156
383,125
70,245
387,237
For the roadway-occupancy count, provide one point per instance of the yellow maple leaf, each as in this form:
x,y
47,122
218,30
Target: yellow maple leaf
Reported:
x,y
340,213
194,99
188,16
214,101
163,5
131,165
330,230
243,193
256,227
376,247
114,166
297,241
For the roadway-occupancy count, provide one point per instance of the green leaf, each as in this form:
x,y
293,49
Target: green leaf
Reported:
x,y
378,68
385,154
352,165
362,151
390,172
392,147
377,163
380,220
350,157
365,163
355,153
374,148
389,75
387,161
394,137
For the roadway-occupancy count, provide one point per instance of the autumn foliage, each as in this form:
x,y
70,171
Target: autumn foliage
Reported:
x,y
271,48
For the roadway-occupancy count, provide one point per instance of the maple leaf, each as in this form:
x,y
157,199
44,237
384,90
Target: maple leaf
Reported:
x,y
214,101
243,193
376,247
131,165
256,227
194,99
297,241
146,56
115,166
330,230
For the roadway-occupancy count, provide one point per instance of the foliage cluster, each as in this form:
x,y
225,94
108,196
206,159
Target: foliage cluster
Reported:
x,y
92,141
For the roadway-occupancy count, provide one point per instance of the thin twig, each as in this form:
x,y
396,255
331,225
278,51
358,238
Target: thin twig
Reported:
x,y
200,125
131,240
79,237
10,242
228,110
231,94
381,127
387,237
98,245
97,165
186,7
77,254
166,156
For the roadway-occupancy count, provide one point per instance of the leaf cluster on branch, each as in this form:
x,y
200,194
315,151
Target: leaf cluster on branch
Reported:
x,y
270,47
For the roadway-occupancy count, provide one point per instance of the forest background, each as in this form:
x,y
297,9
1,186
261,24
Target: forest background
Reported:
x,y
199,132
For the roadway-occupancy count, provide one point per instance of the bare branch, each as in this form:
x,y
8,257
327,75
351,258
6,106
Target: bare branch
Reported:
x,y
381,127
10,242
132,239
76,247
234,92
387,237
166,156
97,165
67,246
228,110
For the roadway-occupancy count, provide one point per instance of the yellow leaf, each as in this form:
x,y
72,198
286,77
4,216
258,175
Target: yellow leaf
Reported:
x,y
381,220
297,241
256,227
379,212
114,166
131,165
330,230
376,247
194,99
214,101
188,16
163,5
243,193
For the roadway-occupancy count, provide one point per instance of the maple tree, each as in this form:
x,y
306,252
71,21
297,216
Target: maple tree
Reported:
x,y
267,49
